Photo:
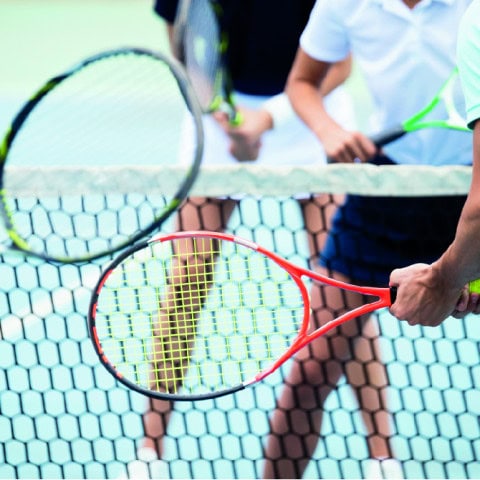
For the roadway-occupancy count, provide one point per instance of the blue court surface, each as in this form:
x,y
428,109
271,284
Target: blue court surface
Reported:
x,y
63,416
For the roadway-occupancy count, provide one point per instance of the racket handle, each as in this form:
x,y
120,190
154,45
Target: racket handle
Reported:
x,y
393,294
474,286
388,136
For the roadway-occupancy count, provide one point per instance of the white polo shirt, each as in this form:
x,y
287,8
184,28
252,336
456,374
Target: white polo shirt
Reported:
x,y
405,56
469,60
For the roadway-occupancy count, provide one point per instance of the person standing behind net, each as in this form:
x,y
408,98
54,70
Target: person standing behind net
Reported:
x,y
261,51
428,294
405,50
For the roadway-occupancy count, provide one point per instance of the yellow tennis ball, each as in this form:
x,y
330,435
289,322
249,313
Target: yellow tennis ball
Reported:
x,y
474,286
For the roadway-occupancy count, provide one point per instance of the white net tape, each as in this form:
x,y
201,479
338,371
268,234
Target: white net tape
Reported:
x,y
248,178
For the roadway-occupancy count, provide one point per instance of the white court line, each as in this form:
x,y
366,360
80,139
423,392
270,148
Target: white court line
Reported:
x,y
13,325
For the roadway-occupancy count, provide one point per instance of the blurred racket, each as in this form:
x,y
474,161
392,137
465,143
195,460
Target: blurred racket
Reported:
x,y
118,108
197,315
201,44
445,110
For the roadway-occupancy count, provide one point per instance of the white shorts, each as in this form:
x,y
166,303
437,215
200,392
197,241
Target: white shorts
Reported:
x,y
292,143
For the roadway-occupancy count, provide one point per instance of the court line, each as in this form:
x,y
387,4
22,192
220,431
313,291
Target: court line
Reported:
x,y
12,326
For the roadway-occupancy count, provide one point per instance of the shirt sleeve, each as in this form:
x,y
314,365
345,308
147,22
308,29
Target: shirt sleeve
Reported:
x,y
324,37
166,9
468,59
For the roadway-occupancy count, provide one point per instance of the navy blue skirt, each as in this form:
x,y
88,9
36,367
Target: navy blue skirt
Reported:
x,y
371,236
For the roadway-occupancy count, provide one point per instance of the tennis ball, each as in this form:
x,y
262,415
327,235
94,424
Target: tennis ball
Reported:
x,y
474,286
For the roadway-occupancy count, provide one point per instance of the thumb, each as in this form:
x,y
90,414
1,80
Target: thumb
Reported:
x,y
222,119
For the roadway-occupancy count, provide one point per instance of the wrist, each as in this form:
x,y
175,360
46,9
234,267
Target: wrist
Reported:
x,y
266,119
446,277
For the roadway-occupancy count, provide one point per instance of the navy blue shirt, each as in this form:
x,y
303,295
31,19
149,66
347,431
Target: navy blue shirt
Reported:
x,y
263,40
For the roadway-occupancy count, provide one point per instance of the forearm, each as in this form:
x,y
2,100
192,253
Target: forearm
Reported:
x,y
280,108
461,262
170,34
337,74
307,102
306,85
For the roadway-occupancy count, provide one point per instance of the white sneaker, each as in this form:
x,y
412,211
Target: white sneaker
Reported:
x,y
147,466
386,469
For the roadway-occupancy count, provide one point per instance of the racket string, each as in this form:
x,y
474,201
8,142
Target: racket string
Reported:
x,y
202,52
211,321
120,110
187,285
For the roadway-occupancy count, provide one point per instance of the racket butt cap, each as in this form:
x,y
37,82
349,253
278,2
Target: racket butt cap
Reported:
x,y
474,286
393,294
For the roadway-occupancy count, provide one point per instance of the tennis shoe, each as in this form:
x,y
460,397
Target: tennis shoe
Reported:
x,y
147,466
385,469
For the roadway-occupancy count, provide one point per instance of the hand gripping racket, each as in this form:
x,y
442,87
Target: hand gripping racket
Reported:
x,y
126,107
445,110
198,315
200,43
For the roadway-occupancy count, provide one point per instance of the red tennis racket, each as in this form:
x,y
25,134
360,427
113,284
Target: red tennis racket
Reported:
x,y
198,315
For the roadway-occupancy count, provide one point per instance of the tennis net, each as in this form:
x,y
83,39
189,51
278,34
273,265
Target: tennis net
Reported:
x,y
63,416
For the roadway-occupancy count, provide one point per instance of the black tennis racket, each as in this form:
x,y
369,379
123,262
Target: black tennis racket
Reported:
x,y
118,108
201,44
445,110
197,315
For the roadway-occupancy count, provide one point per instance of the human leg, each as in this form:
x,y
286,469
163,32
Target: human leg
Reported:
x,y
196,214
296,423
317,369
366,373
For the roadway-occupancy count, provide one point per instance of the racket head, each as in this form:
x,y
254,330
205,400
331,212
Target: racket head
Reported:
x,y
117,108
200,43
195,315
445,110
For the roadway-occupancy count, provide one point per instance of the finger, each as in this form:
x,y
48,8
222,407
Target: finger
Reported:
x,y
361,147
222,119
395,277
473,303
341,155
463,301
460,314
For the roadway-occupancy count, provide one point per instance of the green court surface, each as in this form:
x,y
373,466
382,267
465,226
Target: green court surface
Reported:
x,y
41,38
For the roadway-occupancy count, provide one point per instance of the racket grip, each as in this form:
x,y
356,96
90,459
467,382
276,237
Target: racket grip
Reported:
x,y
388,136
474,286
393,294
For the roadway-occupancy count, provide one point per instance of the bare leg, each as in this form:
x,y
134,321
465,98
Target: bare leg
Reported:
x,y
195,214
317,214
368,377
296,423
366,374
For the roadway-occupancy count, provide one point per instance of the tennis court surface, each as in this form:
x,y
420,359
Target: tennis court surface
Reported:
x,y
62,415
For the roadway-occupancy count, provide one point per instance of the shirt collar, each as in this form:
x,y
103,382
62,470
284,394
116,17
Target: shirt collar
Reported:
x,y
385,2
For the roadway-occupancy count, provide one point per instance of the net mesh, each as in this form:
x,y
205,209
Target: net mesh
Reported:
x,y
62,415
